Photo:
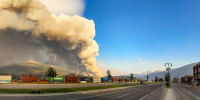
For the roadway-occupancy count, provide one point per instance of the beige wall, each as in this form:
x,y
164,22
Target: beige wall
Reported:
x,y
5,78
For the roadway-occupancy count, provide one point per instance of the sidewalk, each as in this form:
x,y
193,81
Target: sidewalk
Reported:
x,y
169,95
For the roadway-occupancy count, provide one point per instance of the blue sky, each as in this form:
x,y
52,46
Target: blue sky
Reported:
x,y
141,35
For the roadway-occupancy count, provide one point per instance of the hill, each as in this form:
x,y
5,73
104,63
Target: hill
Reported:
x,y
180,72
33,67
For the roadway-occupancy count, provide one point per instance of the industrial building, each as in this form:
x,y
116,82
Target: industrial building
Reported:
x,y
187,79
196,72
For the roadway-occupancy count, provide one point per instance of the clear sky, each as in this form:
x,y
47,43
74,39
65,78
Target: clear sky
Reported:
x,y
141,35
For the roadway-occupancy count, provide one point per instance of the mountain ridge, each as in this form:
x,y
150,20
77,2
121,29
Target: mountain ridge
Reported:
x,y
180,72
177,72
30,67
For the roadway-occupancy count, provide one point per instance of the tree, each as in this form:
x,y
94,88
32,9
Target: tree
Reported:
x,y
30,74
147,77
167,79
51,73
160,80
44,76
156,79
167,75
109,74
131,76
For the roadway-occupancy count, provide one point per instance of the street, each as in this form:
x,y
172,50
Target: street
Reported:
x,y
145,92
186,92
130,93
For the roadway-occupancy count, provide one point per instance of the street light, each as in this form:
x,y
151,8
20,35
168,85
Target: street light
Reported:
x,y
167,76
168,68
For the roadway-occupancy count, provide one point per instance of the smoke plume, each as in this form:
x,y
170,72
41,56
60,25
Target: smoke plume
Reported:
x,y
28,31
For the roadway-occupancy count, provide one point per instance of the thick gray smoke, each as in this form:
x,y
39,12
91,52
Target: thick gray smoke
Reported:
x,y
28,31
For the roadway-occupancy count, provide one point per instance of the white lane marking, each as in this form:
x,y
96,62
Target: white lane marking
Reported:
x,y
102,94
148,94
93,96
198,98
145,96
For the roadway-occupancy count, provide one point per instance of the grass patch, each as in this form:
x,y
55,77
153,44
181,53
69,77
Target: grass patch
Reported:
x,y
62,90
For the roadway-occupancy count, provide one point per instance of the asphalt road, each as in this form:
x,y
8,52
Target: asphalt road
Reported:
x,y
186,92
145,92
130,93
